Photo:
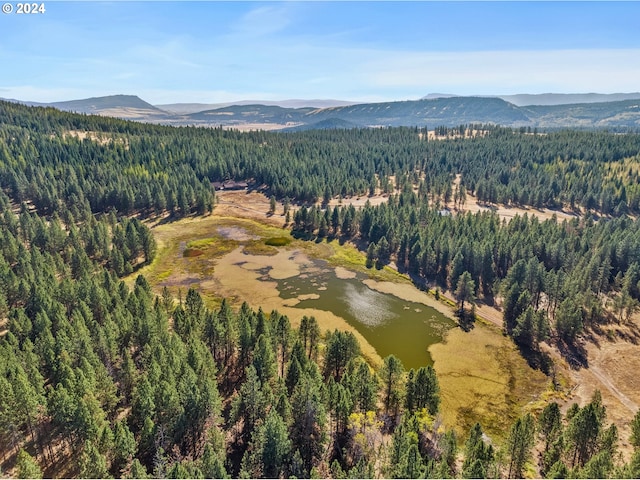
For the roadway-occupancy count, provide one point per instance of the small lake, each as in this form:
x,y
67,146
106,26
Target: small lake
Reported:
x,y
391,325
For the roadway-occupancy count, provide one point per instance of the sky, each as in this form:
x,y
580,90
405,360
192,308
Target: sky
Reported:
x,y
223,51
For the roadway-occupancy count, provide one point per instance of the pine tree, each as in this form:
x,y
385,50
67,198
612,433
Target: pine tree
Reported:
x,y
550,423
519,445
26,466
464,290
422,390
263,359
635,430
391,375
307,431
272,446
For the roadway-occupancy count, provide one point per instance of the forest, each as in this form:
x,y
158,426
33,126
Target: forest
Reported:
x,y
98,379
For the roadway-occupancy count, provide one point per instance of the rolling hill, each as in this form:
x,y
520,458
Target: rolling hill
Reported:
x,y
436,110
129,107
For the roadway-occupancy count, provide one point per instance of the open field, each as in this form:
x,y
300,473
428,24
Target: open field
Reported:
x,y
614,360
483,378
255,205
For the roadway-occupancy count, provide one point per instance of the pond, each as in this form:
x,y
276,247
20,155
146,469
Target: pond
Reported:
x,y
390,324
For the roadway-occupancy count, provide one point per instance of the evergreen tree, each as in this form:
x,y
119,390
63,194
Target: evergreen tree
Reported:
x,y
26,466
422,390
519,444
391,375
635,430
464,290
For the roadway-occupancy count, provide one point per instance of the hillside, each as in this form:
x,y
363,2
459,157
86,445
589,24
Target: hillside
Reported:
x,y
188,108
327,124
440,111
128,107
433,111
524,99
238,114
587,115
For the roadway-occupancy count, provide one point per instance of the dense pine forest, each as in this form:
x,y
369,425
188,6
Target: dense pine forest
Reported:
x,y
100,380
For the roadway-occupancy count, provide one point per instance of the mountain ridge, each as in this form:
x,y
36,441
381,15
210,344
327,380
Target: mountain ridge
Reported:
x,y
438,110
547,99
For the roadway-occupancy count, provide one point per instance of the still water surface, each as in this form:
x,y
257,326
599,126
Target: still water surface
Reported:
x,y
391,325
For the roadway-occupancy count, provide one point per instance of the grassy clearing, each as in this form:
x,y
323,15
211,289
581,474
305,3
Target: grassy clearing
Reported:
x,y
490,383
163,275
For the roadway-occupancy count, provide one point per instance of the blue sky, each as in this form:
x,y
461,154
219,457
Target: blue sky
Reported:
x,y
212,52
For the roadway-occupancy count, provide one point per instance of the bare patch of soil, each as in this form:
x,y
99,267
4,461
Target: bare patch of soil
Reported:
x,y
247,204
359,202
97,137
613,367
255,205
473,205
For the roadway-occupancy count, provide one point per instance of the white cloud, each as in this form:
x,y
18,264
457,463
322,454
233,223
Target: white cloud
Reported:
x,y
263,21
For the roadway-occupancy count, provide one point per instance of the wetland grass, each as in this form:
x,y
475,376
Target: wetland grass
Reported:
x,y
483,378
278,241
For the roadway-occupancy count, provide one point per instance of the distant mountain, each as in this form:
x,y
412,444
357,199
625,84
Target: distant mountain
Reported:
x,y
97,104
439,110
122,106
442,111
243,114
567,98
431,113
24,102
129,107
526,99
188,108
433,96
586,115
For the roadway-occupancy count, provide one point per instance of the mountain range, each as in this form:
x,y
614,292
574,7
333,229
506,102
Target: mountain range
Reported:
x,y
536,111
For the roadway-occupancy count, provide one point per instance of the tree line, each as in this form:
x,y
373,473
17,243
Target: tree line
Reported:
x,y
150,169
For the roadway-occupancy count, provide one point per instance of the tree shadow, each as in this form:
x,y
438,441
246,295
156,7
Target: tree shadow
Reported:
x,y
574,354
466,319
537,359
302,235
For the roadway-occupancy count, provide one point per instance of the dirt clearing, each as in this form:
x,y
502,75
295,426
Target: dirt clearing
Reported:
x,y
473,205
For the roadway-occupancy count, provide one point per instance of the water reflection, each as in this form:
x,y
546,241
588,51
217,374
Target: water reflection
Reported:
x,y
391,325
367,306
